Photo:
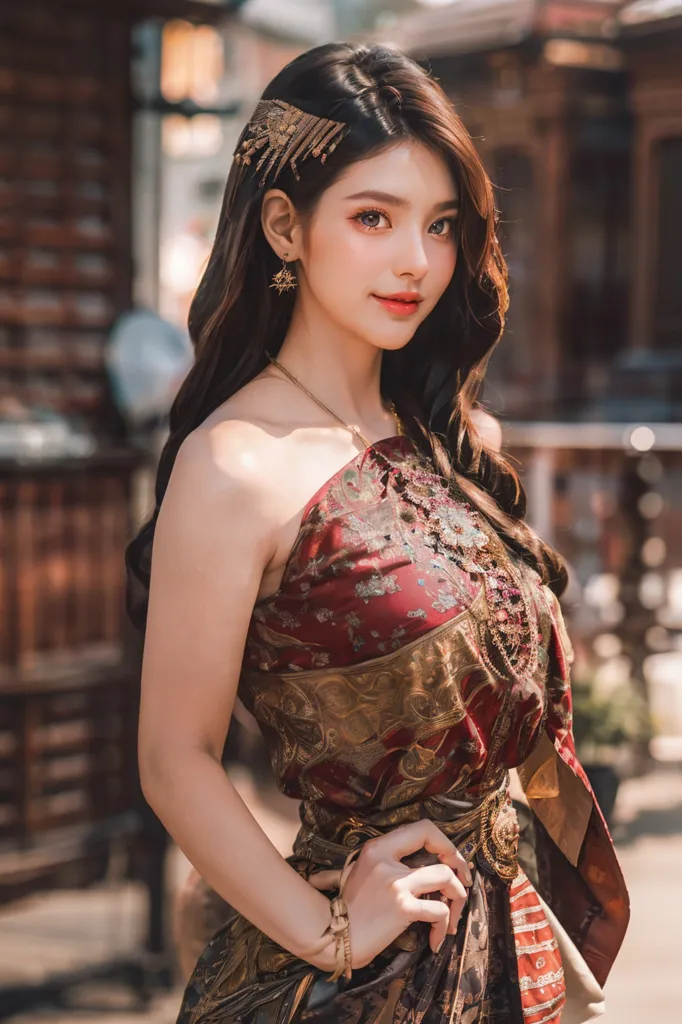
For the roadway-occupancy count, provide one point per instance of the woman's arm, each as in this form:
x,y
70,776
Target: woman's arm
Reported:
x,y
214,536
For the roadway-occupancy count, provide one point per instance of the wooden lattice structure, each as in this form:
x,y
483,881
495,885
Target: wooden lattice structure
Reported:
x,y
65,261
68,695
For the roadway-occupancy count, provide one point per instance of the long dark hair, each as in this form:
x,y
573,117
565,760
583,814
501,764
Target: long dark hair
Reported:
x,y
384,97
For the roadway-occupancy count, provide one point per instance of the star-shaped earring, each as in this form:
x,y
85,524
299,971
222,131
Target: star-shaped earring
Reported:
x,y
283,280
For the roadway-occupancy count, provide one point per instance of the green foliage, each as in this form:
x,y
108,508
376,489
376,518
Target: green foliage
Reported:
x,y
604,724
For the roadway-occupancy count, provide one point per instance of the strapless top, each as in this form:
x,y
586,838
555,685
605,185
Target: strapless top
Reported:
x,y
386,552
386,556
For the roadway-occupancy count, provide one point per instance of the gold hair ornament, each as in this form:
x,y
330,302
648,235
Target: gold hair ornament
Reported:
x,y
285,134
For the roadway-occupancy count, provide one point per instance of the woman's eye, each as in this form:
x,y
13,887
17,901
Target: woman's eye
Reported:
x,y
447,225
370,219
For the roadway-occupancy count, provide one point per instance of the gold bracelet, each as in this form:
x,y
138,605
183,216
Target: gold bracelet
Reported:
x,y
338,930
340,926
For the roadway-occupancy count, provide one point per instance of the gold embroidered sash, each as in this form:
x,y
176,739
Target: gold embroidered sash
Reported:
x,y
485,831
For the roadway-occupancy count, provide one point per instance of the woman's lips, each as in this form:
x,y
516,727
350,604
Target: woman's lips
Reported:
x,y
404,307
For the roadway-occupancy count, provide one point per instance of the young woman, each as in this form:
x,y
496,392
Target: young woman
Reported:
x,y
335,544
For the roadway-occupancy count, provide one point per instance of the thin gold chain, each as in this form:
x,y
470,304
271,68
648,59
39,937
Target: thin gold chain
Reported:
x,y
353,430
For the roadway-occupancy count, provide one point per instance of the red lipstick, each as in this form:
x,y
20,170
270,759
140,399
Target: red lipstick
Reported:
x,y
402,303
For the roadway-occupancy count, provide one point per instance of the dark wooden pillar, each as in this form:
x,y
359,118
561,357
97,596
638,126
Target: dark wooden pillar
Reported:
x,y
656,77
549,99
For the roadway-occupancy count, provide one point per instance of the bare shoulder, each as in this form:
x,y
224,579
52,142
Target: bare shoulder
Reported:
x,y
248,448
225,458
218,491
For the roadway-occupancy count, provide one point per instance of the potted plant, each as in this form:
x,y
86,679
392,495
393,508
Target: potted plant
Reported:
x,y
608,726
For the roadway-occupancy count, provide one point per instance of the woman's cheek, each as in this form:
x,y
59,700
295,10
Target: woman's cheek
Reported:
x,y
339,250
445,267
358,264
358,245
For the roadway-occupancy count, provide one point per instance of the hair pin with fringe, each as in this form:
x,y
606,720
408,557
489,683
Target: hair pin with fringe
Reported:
x,y
285,134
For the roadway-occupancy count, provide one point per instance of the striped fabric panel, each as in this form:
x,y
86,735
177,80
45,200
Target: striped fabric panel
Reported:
x,y
541,973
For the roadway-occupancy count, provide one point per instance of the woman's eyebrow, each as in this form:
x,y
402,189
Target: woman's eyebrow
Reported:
x,y
386,197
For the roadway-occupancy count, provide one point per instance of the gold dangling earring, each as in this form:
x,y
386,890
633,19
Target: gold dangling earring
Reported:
x,y
283,280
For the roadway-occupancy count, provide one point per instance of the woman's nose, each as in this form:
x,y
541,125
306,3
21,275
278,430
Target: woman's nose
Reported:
x,y
411,256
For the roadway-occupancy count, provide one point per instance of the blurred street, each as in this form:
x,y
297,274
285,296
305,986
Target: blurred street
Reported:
x,y
68,929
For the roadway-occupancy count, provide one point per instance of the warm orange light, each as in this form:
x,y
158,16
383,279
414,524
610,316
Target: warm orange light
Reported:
x,y
191,62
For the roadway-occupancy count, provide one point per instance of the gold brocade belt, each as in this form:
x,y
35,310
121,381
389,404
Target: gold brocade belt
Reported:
x,y
485,831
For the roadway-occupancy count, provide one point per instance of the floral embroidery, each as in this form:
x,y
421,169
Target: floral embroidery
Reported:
x,y
388,518
376,586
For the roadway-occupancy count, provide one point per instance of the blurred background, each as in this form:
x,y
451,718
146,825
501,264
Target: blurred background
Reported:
x,y
117,125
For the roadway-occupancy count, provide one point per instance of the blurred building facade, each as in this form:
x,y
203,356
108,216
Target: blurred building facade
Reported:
x,y
181,162
576,108
70,804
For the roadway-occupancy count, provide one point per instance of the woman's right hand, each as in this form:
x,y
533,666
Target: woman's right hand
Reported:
x,y
382,894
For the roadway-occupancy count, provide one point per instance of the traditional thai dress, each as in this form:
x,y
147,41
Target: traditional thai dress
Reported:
x,y
408,662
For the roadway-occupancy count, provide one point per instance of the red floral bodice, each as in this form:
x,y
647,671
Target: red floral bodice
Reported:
x,y
386,555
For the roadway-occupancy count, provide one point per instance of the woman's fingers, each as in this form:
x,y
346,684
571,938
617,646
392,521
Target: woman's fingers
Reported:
x,y
435,913
459,865
407,839
455,914
436,878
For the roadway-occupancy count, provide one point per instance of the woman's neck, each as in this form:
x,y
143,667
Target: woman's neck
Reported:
x,y
343,371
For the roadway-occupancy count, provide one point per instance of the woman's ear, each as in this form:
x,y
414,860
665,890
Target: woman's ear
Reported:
x,y
280,224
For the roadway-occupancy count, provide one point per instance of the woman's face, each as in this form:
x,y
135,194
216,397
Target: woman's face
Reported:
x,y
383,233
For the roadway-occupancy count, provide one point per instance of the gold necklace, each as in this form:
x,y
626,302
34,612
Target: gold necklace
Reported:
x,y
353,430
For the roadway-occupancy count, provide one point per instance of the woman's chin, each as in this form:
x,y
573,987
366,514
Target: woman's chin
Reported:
x,y
391,341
